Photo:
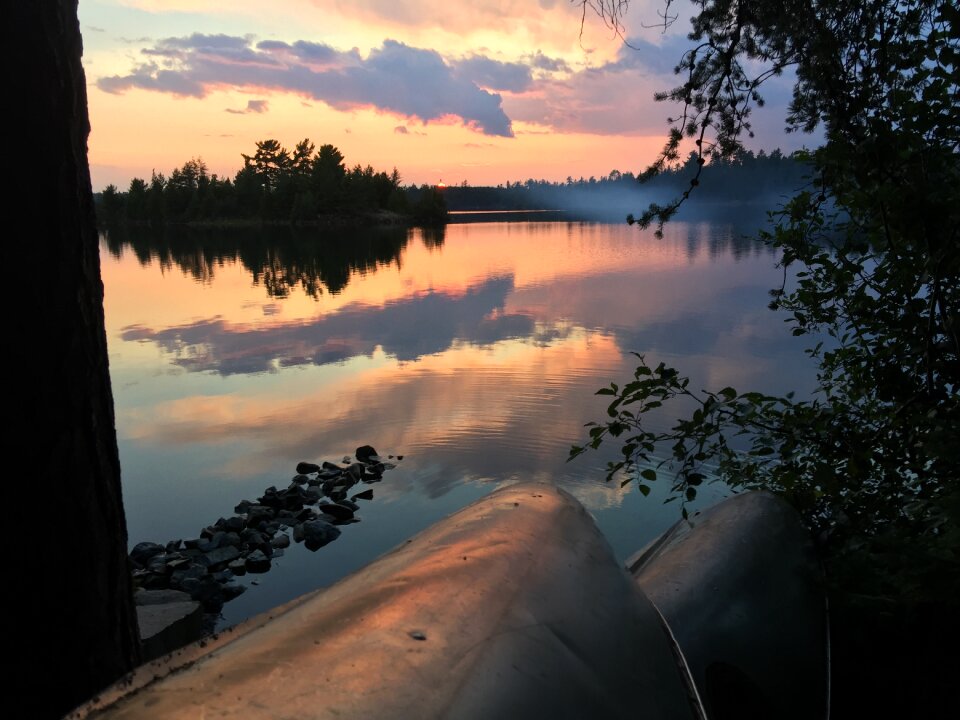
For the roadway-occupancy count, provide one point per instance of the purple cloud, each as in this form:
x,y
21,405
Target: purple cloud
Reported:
x,y
395,78
493,74
253,106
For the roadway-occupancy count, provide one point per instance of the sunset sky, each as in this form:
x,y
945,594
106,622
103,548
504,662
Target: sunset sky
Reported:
x,y
483,91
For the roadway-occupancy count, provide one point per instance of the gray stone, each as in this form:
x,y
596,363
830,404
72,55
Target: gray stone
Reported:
x,y
281,541
365,495
253,538
167,626
298,532
355,471
220,556
364,452
304,468
193,572
158,564
257,562
317,533
301,479
232,590
233,524
242,507
257,514
331,467
142,552
238,566
340,512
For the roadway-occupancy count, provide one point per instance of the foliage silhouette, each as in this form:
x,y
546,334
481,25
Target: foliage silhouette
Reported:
x,y
871,274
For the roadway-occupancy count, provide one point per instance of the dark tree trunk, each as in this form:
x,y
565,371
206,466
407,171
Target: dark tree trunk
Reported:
x,y
72,622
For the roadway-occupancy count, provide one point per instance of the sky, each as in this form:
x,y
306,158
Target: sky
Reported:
x,y
478,91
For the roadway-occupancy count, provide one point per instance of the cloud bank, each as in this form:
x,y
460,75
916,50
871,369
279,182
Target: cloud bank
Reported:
x,y
391,78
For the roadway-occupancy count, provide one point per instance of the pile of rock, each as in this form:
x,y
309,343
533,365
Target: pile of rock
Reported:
x,y
312,507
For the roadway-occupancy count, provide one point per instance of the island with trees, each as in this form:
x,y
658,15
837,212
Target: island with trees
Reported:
x,y
302,186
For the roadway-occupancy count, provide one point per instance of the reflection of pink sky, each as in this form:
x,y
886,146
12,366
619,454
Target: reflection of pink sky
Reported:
x,y
436,402
471,254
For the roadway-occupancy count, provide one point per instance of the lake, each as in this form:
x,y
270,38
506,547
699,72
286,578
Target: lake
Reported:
x,y
473,351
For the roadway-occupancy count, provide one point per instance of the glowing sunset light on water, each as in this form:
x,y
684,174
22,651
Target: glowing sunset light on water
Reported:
x,y
480,92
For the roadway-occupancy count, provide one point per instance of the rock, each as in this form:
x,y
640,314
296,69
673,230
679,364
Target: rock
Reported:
x,y
365,495
220,556
142,552
233,524
300,479
335,510
158,564
173,546
311,496
304,468
223,576
253,538
242,507
377,469
257,562
276,554
153,581
180,578
347,460
257,514
207,591
304,515
317,533
232,590
159,597
217,540
298,533
281,541
167,626
356,471
201,544
238,566
364,452
178,561
330,466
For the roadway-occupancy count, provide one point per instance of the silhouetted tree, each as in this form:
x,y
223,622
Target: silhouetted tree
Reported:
x,y
69,612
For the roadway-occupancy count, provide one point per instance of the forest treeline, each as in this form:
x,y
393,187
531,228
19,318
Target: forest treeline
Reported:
x,y
745,178
307,185
275,185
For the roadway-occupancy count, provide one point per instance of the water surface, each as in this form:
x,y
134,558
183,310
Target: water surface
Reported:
x,y
472,351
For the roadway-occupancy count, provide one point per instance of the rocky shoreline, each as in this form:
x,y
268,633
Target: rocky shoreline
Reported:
x,y
197,574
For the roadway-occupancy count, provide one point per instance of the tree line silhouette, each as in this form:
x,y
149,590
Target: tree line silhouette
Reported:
x,y
746,177
275,185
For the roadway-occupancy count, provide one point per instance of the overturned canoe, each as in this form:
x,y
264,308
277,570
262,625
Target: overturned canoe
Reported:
x,y
513,608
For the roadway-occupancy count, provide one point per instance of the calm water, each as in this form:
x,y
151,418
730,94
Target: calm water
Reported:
x,y
473,352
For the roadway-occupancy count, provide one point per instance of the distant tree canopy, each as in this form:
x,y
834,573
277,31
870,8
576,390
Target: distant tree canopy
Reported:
x,y
274,185
732,179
